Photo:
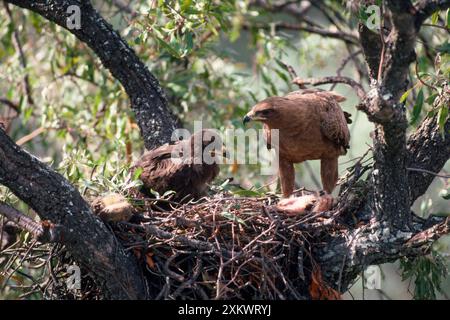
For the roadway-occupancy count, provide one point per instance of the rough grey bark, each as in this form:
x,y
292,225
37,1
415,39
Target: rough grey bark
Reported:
x,y
86,237
146,95
371,46
344,255
391,201
387,229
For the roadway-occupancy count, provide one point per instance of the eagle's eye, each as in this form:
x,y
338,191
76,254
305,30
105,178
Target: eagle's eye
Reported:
x,y
266,112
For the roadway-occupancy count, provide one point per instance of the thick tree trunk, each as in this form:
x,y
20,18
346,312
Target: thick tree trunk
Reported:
x,y
428,150
85,236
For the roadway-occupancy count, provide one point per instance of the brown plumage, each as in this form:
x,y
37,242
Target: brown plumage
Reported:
x,y
189,177
311,126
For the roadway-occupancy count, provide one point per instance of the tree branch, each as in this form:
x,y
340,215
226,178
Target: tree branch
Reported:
x,y
400,49
436,174
346,37
426,8
147,97
333,79
125,7
44,232
86,237
391,200
371,45
290,7
349,253
427,149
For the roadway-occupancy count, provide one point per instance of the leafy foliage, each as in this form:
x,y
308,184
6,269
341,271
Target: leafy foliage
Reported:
x,y
427,272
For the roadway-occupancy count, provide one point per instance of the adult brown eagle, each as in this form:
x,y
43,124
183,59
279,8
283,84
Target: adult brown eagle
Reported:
x,y
311,126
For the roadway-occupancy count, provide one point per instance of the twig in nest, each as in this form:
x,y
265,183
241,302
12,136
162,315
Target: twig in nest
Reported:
x,y
44,231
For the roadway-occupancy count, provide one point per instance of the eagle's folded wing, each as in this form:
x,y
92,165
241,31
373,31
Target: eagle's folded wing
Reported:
x,y
161,172
333,123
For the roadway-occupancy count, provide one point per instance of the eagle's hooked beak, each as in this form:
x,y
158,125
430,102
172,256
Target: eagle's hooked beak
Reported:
x,y
246,119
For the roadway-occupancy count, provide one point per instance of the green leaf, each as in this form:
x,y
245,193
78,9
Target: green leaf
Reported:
x,y
428,271
417,107
90,71
137,173
435,17
246,193
442,118
405,95
185,5
168,193
448,18
430,99
189,41
283,76
36,21
253,96
169,48
232,217
445,48
281,64
362,14
26,237
266,78
155,193
192,11
445,193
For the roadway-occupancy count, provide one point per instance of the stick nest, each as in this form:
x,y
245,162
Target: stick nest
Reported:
x,y
224,247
